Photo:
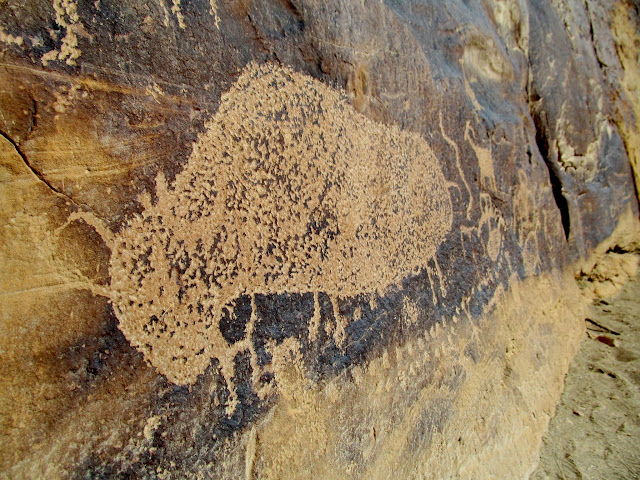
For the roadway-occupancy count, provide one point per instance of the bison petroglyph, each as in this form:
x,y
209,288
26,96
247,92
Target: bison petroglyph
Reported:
x,y
288,190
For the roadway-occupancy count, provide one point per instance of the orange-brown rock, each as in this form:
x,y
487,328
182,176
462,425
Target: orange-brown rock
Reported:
x,y
296,239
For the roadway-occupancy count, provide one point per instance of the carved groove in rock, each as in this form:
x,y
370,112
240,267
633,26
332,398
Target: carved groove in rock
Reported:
x,y
289,190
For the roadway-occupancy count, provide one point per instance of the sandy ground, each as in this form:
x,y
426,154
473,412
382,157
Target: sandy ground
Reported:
x,y
596,431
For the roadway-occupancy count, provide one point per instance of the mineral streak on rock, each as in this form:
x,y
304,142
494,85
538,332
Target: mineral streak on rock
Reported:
x,y
289,190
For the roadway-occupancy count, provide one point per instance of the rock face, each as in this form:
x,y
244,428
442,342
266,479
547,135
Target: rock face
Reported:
x,y
295,239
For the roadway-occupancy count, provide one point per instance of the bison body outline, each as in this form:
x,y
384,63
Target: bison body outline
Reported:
x,y
289,190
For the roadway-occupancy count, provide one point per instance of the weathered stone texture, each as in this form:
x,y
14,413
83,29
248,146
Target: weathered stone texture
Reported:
x,y
347,230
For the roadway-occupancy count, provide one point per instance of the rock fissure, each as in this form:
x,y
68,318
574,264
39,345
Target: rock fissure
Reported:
x,y
544,147
603,65
34,171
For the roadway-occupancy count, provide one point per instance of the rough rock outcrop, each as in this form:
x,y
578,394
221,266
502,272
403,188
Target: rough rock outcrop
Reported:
x,y
297,239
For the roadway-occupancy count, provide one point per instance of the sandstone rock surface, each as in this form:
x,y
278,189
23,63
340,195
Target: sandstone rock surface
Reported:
x,y
300,239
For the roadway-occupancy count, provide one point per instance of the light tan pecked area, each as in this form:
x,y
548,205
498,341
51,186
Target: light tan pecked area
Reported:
x,y
288,190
